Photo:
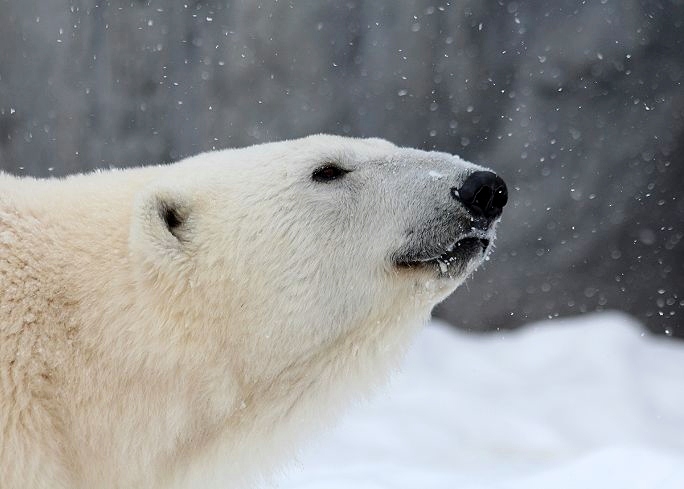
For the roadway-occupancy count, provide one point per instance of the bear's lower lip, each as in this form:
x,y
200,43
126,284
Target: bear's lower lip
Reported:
x,y
461,251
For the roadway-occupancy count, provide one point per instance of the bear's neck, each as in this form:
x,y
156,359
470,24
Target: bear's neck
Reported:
x,y
270,417
183,416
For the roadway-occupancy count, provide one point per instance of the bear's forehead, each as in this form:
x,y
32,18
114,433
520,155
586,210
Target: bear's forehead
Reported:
x,y
381,150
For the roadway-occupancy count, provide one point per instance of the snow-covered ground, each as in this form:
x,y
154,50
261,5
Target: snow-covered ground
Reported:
x,y
591,402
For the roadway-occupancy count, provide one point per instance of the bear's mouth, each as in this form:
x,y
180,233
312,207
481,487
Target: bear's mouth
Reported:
x,y
458,254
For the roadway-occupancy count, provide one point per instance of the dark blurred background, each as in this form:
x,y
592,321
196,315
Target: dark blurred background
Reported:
x,y
578,104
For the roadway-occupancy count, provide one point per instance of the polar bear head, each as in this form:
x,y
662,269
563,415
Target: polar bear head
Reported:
x,y
281,250
290,245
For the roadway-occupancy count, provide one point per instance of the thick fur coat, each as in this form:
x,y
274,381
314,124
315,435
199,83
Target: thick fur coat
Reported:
x,y
179,325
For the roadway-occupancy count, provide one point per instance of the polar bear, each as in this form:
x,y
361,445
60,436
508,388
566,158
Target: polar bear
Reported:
x,y
188,324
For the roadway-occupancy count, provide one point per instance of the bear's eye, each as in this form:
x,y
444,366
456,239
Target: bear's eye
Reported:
x,y
328,173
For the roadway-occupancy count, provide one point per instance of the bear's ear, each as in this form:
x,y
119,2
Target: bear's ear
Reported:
x,y
174,215
162,219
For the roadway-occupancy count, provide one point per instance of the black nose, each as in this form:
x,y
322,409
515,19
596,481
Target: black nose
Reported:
x,y
484,194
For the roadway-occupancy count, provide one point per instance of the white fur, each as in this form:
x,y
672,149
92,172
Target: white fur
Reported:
x,y
133,357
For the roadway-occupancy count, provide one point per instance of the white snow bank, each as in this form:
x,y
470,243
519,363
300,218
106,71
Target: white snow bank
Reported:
x,y
591,402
